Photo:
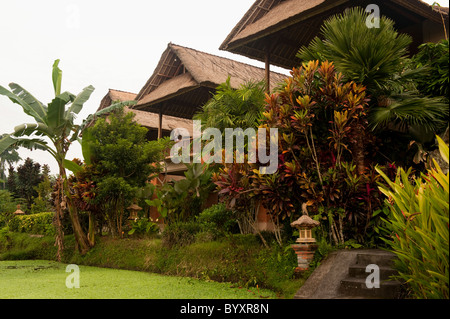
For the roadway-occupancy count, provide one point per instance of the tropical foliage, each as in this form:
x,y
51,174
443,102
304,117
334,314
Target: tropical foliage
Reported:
x,y
182,200
234,188
418,224
378,59
118,161
142,227
8,205
347,121
435,57
324,144
53,130
233,108
374,57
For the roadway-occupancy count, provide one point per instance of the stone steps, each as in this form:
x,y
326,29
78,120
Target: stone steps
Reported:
x,y
374,267
357,288
342,275
379,257
359,271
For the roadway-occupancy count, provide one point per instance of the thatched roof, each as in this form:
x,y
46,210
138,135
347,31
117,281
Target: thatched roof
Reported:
x,y
115,96
169,123
185,78
305,221
283,26
147,119
134,207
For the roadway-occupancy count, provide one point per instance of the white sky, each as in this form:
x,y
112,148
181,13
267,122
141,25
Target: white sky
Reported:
x,y
108,44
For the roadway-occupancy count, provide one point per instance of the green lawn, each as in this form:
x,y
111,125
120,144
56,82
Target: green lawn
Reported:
x,y
35,279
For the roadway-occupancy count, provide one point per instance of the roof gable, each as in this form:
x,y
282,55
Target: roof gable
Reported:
x,y
147,119
203,69
115,95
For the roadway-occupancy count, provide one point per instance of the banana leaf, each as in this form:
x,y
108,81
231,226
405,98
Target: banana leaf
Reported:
x,y
72,166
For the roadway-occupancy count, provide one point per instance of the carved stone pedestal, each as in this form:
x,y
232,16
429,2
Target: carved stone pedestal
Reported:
x,y
305,254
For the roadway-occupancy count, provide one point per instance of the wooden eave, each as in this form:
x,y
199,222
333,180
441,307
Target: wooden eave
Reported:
x,y
281,30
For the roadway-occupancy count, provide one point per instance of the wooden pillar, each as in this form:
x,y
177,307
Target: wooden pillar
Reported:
x,y
160,124
267,61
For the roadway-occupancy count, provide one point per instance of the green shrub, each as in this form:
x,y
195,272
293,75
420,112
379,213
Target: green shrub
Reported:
x,y
435,56
206,235
419,225
180,234
40,224
281,263
8,205
5,218
143,226
217,217
20,246
245,240
5,240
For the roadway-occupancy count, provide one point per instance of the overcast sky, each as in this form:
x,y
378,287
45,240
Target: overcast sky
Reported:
x,y
108,44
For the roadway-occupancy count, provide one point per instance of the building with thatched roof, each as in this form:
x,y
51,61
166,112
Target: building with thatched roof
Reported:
x,y
185,79
272,31
147,119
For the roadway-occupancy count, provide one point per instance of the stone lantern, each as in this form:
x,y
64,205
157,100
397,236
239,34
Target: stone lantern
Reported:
x,y
306,244
134,209
304,225
19,211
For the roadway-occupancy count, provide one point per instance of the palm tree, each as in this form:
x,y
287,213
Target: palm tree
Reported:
x,y
55,122
233,108
378,59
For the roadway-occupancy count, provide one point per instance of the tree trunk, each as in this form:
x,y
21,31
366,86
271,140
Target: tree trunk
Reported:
x,y
91,233
59,240
358,150
80,237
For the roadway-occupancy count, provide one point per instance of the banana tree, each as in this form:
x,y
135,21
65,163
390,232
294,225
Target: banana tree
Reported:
x,y
54,131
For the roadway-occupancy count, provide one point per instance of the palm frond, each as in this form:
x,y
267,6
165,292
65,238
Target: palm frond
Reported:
x,y
35,111
80,99
232,108
56,110
36,129
29,143
56,77
406,111
105,111
364,55
36,107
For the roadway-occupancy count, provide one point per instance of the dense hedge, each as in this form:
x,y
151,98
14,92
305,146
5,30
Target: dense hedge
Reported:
x,y
39,224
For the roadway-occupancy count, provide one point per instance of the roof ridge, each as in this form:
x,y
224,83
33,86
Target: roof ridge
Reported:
x,y
121,91
247,17
193,60
221,57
